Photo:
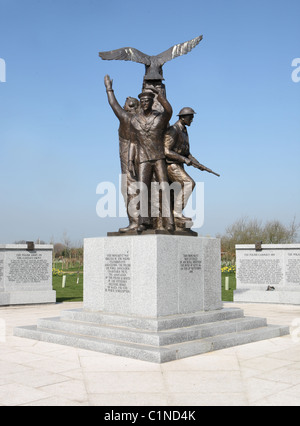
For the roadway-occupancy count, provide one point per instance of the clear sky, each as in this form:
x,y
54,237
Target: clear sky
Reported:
x,y
59,137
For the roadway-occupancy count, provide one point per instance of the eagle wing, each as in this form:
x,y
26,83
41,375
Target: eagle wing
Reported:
x,y
126,54
178,50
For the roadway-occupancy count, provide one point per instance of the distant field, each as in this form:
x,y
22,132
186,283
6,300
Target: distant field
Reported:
x,y
74,292
227,296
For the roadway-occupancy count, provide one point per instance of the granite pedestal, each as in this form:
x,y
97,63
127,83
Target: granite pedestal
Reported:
x,y
26,275
152,297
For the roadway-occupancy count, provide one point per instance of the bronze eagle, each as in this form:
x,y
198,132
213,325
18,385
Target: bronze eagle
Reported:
x,y
153,64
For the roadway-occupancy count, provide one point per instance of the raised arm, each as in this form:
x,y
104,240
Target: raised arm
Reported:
x,y
168,110
166,105
116,107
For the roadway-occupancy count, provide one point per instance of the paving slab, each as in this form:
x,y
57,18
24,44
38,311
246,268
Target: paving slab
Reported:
x,y
265,373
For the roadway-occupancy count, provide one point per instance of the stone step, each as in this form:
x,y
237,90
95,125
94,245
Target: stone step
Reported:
x,y
154,324
142,352
161,338
229,340
150,353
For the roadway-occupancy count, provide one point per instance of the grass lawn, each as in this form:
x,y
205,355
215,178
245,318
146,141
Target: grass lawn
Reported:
x,y
227,295
73,292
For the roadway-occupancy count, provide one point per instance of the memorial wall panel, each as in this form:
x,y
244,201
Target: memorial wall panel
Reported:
x,y
26,275
268,275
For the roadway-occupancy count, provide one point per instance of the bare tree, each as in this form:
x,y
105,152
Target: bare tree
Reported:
x,y
275,232
66,240
250,231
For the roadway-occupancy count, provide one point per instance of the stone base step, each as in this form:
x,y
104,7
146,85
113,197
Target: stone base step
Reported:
x,y
148,345
152,324
159,339
150,353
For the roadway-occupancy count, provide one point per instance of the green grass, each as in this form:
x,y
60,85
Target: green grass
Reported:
x,y
227,295
72,292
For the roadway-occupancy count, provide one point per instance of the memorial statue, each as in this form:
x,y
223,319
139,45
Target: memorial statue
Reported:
x,y
152,153
124,115
146,154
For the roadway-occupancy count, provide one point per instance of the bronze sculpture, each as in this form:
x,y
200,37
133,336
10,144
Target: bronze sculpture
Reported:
x,y
147,150
177,150
151,151
124,115
153,64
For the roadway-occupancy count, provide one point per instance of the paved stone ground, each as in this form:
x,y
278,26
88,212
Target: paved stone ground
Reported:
x,y
43,374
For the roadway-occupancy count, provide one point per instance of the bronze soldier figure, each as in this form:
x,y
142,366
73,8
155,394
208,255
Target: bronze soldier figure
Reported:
x,y
177,151
124,115
147,150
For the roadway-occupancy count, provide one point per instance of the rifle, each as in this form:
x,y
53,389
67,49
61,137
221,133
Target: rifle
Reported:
x,y
201,167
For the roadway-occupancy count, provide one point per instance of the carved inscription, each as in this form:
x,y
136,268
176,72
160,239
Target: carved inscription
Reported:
x,y
117,273
28,268
260,271
190,263
293,268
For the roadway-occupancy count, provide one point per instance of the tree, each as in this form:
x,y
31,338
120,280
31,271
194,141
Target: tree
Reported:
x,y
67,243
58,249
275,232
250,231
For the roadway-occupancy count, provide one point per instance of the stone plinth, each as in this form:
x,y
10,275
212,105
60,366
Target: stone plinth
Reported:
x,y
152,275
156,298
269,275
26,276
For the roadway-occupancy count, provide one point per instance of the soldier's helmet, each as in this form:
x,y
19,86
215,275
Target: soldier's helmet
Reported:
x,y
186,111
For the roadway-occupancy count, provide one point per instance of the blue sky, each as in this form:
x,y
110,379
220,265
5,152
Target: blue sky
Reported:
x,y
58,135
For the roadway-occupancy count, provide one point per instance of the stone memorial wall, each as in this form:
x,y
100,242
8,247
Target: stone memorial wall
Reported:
x,y
26,276
268,275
